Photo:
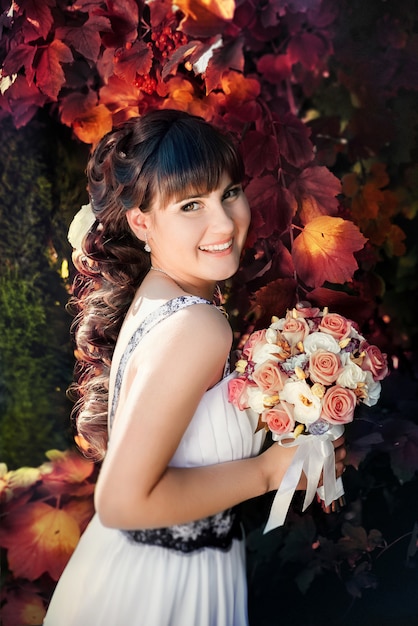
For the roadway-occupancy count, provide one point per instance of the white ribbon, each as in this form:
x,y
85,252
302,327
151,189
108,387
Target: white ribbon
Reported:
x,y
314,454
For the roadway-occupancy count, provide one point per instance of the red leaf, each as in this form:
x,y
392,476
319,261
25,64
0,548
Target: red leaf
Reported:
x,y
40,538
85,39
76,105
205,18
324,251
49,73
124,19
24,100
20,56
228,57
316,189
273,299
275,67
308,49
190,52
23,607
95,123
260,152
38,19
276,204
293,138
355,308
132,61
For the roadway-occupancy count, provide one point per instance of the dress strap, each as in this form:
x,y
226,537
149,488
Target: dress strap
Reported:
x,y
154,318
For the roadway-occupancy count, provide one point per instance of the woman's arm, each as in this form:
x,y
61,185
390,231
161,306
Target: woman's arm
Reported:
x,y
136,488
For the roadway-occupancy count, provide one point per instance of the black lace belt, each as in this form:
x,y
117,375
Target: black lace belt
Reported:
x,y
216,531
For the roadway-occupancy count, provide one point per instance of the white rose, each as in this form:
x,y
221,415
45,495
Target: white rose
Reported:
x,y
320,341
255,399
265,352
80,226
307,406
352,374
271,335
373,388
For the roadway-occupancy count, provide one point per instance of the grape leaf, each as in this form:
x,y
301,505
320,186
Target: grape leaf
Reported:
x,y
38,19
136,59
49,73
260,151
324,251
228,57
40,538
293,138
85,39
316,189
20,56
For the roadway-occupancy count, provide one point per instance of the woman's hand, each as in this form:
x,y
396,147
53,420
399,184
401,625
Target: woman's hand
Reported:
x,y
276,460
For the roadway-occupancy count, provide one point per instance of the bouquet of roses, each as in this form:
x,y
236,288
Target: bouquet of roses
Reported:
x,y
305,374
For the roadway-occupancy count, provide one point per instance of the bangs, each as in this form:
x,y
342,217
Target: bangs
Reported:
x,y
192,161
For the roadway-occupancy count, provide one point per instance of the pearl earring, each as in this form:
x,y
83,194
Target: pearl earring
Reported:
x,y
147,246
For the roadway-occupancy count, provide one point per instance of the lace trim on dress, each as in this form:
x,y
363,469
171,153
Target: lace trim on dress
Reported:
x,y
160,314
216,531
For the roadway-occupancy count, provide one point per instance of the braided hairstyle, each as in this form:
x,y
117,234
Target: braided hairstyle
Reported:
x,y
162,154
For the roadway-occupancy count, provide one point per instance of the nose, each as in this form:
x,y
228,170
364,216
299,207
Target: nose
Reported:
x,y
223,220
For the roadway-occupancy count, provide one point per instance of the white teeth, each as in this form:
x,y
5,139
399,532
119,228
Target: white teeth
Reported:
x,y
217,247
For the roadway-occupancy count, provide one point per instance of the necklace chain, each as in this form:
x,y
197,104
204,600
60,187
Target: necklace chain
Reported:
x,y
218,291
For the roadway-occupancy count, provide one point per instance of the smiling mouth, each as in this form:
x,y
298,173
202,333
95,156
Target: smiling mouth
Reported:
x,y
219,247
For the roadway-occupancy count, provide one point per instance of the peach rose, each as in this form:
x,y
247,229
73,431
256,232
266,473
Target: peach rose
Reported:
x,y
335,325
295,329
324,367
237,392
338,405
269,377
279,419
256,338
304,309
374,361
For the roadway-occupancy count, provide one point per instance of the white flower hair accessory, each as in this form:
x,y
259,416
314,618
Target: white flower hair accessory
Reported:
x,y
80,226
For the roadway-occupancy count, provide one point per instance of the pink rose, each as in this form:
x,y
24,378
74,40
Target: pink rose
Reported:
x,y
324,367
279,419
256,338
336,325
374,361
295,329
338,405
269,377
237,392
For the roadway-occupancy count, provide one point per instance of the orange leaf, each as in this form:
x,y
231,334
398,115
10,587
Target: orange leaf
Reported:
x,y
39,538
23,608
324,251
91,126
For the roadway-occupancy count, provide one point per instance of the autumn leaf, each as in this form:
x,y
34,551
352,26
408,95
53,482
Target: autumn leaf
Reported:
x,y
20,56
86,38
260,151
205,18
293,138
316,189
22,607
273,299
228,57
24,100
50,76
40,538
136,59
95,123
275,67
275,203
66,466
38,19
323,252
308,49
15,482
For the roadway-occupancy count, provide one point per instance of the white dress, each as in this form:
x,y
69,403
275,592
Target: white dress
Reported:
x,y
113,579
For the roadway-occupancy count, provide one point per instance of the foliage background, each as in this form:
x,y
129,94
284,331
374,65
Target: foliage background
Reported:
x,y
322,96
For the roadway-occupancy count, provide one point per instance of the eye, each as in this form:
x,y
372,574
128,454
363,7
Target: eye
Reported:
x,y
190,206
232,193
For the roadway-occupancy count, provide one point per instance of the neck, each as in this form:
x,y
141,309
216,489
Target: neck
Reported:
x,y
209,292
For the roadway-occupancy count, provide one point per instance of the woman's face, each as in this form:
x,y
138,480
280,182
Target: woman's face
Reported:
x,y
198,240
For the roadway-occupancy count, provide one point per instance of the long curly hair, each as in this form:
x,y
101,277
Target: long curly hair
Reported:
x,y
166,152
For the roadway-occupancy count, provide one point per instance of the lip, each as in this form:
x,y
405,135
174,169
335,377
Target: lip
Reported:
x,y
212,248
